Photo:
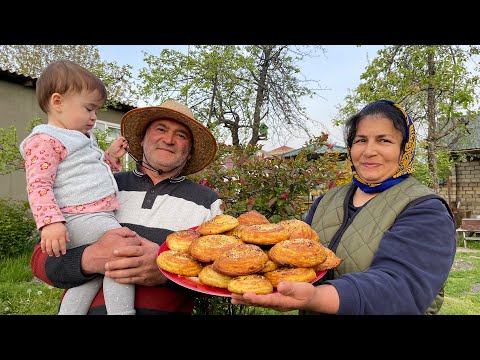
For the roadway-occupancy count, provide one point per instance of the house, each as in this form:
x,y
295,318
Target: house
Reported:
x,y
275,152
280,151
462,187
18,106
341,150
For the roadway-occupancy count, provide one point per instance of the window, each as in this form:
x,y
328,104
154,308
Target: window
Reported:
x,y
113,131
112,128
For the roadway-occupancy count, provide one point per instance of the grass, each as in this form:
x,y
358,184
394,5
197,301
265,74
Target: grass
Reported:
x,y
462,290
22,294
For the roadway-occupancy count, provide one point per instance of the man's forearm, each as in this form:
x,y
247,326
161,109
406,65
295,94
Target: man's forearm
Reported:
x,y
92,263
63,271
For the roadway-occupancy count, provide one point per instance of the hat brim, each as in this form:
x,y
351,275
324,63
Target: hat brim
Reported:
x,y
135,122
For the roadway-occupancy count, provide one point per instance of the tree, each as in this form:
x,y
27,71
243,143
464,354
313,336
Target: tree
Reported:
x,y
432,82
30,60
245,93
444,162
10,157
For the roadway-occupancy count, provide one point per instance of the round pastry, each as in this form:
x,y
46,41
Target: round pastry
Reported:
x,y
218,225
255,283
252,217
298,274
332,261
243,259
297,228
207,248
179,262
263,234
298,253
269,266
210,277
314,236
234,231
181,240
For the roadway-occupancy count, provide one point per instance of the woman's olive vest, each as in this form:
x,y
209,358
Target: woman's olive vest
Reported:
x,y
357,240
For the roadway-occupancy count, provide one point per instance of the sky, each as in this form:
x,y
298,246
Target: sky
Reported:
x,y
338,70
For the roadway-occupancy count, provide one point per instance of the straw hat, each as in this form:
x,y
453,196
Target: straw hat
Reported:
x,y
135,122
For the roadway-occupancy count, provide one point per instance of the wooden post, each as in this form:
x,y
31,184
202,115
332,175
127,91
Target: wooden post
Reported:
x,y
449,185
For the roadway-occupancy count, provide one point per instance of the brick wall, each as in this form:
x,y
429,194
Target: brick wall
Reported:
x,y
463,187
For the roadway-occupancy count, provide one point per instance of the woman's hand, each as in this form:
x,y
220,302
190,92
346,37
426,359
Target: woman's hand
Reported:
x,y
294,296
289,296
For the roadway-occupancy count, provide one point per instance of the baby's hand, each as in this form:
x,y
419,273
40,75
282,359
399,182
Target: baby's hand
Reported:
x,y
118,147
54,239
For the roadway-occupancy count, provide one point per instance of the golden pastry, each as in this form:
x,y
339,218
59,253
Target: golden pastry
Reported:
x,y
252,217
269,265
243,259
207,248
314,236
297,228
234,231
255,283
180,240
297,274
332,261
298,253
179,262
218,225
263,234
210,277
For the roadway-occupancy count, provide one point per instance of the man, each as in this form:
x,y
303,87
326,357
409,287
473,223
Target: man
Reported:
x,y
156,199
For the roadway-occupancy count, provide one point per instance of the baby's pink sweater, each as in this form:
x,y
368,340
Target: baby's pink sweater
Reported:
x,y
43,153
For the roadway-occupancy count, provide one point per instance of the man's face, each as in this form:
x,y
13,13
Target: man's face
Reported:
x,y
167,144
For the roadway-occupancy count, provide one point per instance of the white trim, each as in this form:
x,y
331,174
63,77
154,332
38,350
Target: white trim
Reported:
x,y
110,125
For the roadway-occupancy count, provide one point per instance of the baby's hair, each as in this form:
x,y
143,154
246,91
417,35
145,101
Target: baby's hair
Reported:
x,y
67,77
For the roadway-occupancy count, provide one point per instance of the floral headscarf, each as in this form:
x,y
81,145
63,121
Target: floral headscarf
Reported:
x,y
406,163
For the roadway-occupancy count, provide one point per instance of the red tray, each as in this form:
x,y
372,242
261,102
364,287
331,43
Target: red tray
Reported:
x,y
193,283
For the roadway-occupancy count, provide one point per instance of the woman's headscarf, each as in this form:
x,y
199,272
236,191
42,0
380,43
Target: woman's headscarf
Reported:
x,y
406,162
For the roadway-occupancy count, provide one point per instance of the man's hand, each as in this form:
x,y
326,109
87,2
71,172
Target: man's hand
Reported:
x,y
99,253
136,265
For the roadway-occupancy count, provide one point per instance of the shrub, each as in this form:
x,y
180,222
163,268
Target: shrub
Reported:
x,y
276,187
18,232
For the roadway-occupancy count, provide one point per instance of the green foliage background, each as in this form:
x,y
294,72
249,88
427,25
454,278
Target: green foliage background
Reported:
x,y
279,188
17,228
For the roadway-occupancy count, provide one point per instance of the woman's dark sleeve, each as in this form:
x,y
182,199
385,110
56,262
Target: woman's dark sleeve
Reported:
x,y
410,267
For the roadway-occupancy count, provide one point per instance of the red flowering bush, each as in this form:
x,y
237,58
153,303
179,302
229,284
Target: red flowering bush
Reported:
x,y
276,187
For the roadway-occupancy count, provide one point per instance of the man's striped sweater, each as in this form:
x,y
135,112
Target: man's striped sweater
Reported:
x,y
153,211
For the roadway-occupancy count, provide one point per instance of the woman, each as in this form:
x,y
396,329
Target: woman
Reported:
x,y
395,237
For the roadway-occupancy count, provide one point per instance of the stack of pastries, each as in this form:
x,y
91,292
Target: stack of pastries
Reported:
x,y
247,253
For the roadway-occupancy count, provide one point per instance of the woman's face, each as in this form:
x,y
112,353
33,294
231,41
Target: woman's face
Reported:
x,y
375,150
